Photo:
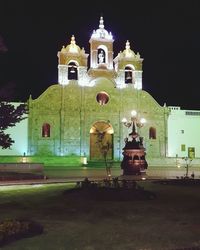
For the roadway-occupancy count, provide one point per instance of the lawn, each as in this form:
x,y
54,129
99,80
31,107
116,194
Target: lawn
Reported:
x,y
74,221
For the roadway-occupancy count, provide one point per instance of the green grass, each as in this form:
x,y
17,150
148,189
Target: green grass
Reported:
x,y
74,221
49,161
58,162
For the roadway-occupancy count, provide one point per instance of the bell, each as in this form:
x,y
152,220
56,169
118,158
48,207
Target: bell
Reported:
x,y
128,77
72,70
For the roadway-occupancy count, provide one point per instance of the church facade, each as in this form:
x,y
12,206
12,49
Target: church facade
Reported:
x,y
85,112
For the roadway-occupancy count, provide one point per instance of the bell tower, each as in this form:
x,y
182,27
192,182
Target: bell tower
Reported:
x,y
72,63
101,50
128,66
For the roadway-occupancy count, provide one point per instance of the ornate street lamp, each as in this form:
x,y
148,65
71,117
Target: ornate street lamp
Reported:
x,y
134,120
134,162
134,123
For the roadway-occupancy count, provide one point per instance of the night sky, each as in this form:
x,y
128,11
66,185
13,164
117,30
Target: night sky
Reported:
x,y
165,33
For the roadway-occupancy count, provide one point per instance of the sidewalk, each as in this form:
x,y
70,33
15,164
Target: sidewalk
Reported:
x,y
42,181
46,181
74,175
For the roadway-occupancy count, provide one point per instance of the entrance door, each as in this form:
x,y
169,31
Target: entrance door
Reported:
x,y
191,152
101,141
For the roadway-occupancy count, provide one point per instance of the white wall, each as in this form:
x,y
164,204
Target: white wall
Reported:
x,y
183,129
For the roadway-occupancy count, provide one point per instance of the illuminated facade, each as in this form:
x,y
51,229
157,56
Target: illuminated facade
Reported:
x,y
90,101
82,114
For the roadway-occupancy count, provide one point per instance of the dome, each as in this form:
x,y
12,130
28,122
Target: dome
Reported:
x,y
128,52
101,32
72,47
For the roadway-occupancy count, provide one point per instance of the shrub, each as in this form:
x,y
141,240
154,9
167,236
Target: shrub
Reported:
x,y
12,229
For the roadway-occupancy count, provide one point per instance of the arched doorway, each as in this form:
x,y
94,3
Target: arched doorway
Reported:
x,y
101,141
72,71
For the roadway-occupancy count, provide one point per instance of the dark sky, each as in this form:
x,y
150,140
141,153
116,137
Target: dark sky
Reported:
x,y
165,33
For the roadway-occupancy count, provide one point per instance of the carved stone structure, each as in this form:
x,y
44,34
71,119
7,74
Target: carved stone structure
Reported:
x,y
134,162
66,119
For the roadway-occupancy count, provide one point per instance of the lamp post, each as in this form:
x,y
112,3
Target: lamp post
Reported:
x,y
24,159
188,162
134,162
136,124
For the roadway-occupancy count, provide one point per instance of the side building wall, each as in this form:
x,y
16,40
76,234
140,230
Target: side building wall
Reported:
x,y
183,133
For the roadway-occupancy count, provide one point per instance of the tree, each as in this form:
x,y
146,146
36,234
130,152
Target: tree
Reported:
x,y
104,146
9,116
3,47
9,113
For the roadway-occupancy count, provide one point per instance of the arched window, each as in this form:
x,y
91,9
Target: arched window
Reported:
x,y
102,98
45,130
101,56
152,133
136,157
72,71
128,75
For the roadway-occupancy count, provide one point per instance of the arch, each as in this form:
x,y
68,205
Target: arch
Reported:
x,y
152,133
72,70
129,74
46,129
136,157
101,141
102,54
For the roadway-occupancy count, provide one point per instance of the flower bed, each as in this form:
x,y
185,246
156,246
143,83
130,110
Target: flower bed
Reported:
x,y
12,229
